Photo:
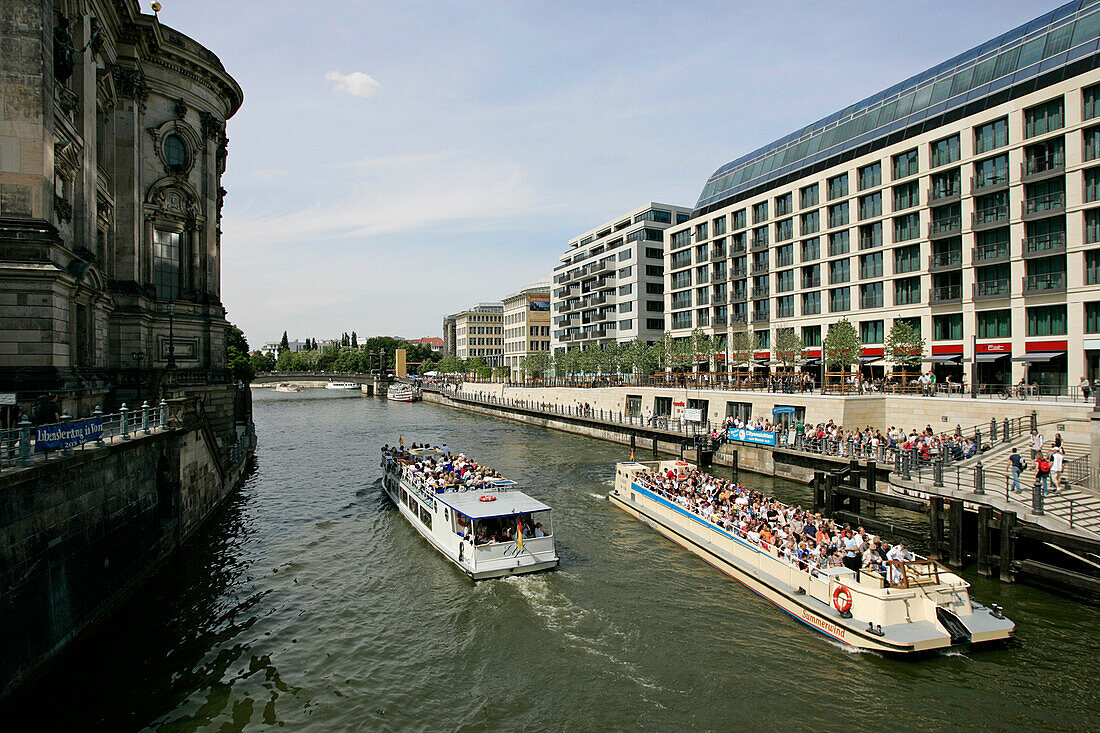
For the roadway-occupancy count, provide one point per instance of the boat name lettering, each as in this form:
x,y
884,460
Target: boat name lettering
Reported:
x,y
827,627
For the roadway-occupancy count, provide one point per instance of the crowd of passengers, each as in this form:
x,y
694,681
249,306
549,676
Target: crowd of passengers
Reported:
x,y
501,529
836,440
800,537
444,472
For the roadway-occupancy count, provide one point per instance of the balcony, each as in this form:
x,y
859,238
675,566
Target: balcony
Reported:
x,y
760,268
739,295
945,227
1092,275
811,282
702,278
1048,204
565,337
1045,244
759,243
784,262
719,320
761,292
990,253
991,289
945,260
994,181
946,294
596,300
989,217
719,299
1048,282
739,271
760,317
1042,166
718,253
941,195
702,299
596,267
738,246
736,318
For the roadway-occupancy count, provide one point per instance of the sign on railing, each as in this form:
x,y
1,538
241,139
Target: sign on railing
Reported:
x,y
756,437
67,435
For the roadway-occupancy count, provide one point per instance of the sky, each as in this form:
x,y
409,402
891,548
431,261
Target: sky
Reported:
x,y
397,161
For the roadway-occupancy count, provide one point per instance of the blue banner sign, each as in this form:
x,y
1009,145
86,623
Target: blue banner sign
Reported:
x,y
756,437
782,410
67,435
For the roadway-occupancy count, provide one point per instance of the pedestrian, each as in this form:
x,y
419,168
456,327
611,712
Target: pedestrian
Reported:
x,y
1017,466
1057,464
1085,387
1035,442
1042,473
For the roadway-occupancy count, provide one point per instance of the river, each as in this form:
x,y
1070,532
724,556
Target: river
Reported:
x,y
307,601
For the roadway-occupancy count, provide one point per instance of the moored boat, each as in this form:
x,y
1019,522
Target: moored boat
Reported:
x,y
287,387
487,528
342,385
902,606
402,392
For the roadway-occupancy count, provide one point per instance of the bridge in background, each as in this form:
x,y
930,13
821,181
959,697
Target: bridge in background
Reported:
x,y
375,383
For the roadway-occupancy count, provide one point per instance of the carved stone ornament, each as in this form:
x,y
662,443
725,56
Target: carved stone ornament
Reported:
x,y
62,208
67,99
180,109
130,83
212,127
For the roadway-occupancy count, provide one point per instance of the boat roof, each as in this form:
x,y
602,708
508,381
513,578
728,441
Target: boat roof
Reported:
x,y
507,503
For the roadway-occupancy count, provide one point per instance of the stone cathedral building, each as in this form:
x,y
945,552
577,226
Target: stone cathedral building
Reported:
x,y
112,147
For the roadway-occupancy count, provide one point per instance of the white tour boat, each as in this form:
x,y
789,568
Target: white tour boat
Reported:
x,y
402,392
925,606
288,387
342,385
461,523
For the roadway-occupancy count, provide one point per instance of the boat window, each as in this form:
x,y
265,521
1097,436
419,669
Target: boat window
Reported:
x,y
426,517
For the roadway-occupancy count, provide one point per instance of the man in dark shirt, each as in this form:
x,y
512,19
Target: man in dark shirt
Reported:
x,y
1016,465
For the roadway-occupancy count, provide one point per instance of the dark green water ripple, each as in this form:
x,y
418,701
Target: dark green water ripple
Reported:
x,y
308,602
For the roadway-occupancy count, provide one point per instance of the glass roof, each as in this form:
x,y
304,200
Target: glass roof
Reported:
x,y
1051,41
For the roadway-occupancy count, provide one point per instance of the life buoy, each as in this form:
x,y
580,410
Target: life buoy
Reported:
x,y
486,497
842,598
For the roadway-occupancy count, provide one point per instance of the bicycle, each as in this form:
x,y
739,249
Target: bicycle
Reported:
x,y
1019,391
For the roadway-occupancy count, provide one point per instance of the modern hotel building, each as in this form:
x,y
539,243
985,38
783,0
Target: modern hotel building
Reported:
x,y
965,200
609,286
478,332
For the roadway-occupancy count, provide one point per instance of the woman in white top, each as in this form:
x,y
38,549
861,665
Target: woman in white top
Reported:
x,y
1057,464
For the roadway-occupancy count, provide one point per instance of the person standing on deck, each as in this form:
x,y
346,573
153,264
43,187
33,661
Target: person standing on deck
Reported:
x,y
853,548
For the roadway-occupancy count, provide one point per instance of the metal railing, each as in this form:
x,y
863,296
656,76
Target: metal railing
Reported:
x,y
1035,164
1047,202
945,294
22,445
946,225
1052,242
991,288
994,251
1053,281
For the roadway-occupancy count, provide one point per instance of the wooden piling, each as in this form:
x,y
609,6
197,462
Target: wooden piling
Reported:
x,y
955,554
985,514
819,490
1008,526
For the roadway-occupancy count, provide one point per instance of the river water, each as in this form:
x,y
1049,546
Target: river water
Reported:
x,y
308,601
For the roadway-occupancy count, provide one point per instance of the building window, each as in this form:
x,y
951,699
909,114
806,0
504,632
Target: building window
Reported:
x,y
870,295
907,259
175,152
784,307
681,279
1091,96
701,231
166,264
739,219
870,205
839,271
627,271
811,335
838,243
784,230
870,176
907,291
837,186
905,164
1092,185
1092,267
948,327
991,171
625,254
651,288
1044,117
1092,317
838,215
680,239
811,303
680,259
809,196
1092,143
784,281
907,227
681,319
870,235
655,306
719,226
870,265
784,256
1046,320
990,136
656,324
759,212
1092,226
840,299
946,185
784,204
654,253
906,195
810,222
995,324
871,332
811,249
945,151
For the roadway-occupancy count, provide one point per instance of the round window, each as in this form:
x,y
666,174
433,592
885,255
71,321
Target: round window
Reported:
x,y
175,152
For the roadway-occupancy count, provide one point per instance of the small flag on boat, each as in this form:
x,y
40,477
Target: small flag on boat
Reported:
x,y
631,455
401,441
519,534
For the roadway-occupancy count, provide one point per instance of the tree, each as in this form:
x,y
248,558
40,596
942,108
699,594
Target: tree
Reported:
x,y
354,341
743,345
502,371
788,347
451,365
842,346
662,352
536,365
476,365
284,344
904,346
700,347
236,355
565,362
262,362
639,357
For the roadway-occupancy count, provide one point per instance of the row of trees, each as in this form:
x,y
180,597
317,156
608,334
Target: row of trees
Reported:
x,y
350,356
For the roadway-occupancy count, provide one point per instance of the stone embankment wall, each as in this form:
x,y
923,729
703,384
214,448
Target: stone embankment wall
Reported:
x,y
881,411
78,533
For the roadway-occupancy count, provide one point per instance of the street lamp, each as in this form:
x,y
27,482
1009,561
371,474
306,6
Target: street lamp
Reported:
x,y
171,337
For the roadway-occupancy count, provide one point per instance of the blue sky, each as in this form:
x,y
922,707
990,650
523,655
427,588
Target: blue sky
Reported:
x,y
397,161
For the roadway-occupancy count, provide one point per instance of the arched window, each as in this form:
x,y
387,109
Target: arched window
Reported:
x,y
175,152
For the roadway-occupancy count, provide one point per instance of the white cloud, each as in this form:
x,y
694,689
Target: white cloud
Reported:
x,y
357,84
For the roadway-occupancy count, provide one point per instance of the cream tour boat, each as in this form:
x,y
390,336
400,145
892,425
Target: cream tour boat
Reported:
x,y
901,605
288,387
475,518
402,392
342,385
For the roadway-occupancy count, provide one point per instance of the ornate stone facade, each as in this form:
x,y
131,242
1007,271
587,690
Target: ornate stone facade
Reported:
x,y
111,161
